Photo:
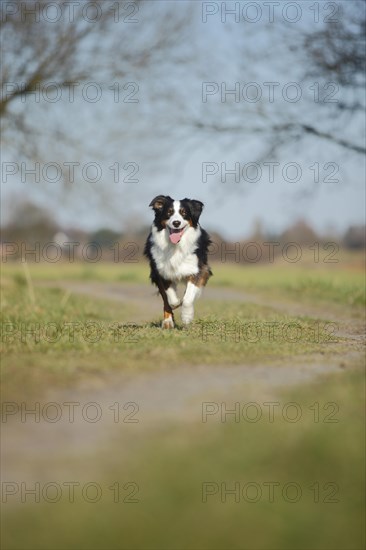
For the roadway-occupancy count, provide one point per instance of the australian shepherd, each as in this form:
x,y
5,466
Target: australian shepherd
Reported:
x,y
177,249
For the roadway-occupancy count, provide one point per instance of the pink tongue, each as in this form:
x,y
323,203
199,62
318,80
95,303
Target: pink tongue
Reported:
x,y
175,237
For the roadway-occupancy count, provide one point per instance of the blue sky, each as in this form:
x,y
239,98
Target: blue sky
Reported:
x,y
156,133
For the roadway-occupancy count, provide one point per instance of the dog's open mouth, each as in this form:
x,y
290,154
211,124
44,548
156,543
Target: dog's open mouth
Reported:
x,y
175,235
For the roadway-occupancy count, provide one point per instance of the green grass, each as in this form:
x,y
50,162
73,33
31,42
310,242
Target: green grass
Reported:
x,y
65,336
171,459
307,284
80,271
75,336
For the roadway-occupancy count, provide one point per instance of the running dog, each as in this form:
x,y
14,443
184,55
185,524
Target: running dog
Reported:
x,y
177,249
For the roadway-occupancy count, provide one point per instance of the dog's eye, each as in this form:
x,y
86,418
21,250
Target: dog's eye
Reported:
x,y
170,212
182,212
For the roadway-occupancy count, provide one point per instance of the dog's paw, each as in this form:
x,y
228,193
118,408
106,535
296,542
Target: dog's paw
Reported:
x,y
187,314
167,323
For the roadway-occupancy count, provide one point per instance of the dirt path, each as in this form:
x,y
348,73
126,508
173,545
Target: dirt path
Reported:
x,y
152,402
155,399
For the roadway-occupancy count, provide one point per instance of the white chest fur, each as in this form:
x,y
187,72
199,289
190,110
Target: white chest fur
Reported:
x,y
175,261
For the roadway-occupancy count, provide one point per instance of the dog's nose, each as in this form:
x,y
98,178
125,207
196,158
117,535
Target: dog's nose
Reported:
x,y
176,223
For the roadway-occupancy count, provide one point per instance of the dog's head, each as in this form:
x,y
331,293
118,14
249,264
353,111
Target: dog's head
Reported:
x,y
175,216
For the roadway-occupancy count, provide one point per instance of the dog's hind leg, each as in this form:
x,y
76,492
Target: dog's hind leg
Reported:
x,y
168,320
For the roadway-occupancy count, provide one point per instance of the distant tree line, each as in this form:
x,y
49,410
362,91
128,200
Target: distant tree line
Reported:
x,y
34,225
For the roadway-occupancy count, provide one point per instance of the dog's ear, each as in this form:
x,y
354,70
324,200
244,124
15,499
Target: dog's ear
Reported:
x,y
196,208
159,202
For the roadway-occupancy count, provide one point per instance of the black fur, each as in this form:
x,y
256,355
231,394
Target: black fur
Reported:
x,y
161,206
154,273
194,210
202,249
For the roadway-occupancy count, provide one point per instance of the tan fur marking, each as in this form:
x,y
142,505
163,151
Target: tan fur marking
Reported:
x,y
201,278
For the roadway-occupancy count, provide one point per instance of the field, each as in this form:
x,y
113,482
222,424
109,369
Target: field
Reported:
x,y
243,431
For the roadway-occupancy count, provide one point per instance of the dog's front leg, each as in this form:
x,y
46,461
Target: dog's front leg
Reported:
x,y
173,298
192,292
